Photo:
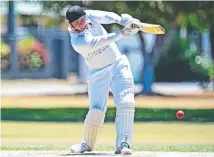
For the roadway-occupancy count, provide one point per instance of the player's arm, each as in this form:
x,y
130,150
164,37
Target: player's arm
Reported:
x,y
104,17
85,43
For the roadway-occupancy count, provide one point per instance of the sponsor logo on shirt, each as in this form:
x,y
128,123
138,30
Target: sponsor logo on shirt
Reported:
x,y
95,53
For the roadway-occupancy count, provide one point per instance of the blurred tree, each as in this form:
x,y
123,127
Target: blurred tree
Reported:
x,y
200,15
205,16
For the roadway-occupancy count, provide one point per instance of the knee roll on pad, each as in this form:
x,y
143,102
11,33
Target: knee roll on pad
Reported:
x,y
126,106
93,123
124,123
126,97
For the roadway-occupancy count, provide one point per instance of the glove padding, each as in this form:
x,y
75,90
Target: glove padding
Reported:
x,y
129,29
125,19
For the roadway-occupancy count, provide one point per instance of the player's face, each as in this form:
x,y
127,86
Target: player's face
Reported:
x,y
80,24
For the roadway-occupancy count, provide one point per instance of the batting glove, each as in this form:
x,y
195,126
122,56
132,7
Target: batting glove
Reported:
x,y
125,19
129,28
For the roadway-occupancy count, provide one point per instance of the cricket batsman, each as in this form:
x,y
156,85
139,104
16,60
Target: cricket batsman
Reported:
x,y
107,68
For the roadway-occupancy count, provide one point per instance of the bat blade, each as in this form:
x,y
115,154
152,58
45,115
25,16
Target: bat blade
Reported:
x,y
151,28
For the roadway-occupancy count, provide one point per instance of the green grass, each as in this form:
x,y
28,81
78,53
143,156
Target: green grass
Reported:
x,y
78,114
149,136
169,148
65,134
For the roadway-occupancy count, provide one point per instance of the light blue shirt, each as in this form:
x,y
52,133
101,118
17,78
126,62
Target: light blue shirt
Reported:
x,y
94,43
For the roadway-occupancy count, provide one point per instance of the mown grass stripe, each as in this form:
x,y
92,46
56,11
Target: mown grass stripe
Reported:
x,y
78,114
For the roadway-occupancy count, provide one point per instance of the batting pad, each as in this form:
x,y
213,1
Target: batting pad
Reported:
x,y
124,123
93,123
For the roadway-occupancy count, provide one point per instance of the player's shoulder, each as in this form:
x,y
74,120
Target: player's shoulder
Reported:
x,y
75,32
74,35
92,12
78,37
88,12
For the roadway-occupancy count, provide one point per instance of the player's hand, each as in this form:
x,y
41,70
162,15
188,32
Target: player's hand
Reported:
x,y
129,29
135,23
125,19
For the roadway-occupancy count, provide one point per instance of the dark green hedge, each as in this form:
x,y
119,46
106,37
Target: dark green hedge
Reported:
x,y
78,114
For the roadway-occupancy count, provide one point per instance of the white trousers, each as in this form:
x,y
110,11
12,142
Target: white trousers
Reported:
x,y
118,77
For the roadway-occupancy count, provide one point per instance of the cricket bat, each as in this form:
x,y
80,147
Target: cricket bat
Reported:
x,y
149,28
